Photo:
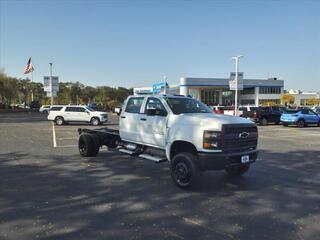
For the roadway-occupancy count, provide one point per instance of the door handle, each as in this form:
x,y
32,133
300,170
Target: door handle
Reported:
x,y
143,119
123,117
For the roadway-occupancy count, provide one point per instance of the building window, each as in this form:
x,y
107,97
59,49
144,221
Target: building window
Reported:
x,y
247,91
270,90
247,102
210,97
269,102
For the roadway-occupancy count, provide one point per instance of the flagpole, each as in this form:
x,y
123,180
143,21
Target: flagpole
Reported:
x,y
32,86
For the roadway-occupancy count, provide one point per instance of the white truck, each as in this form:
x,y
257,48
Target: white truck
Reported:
x,y
180,130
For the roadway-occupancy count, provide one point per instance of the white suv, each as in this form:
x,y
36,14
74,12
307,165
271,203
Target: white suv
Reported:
x,y
77,113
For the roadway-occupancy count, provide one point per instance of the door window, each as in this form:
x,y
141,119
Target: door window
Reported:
x,y
134,105
71,109
80,109
160,109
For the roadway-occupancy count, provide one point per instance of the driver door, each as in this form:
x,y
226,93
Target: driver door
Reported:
x,y
154,126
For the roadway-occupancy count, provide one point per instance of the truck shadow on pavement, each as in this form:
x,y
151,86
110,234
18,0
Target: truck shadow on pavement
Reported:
x,y
113,197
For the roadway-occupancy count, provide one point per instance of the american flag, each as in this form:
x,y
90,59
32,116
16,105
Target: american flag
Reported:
x,y
29,68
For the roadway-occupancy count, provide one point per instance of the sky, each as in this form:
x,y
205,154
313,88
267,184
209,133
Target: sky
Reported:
x,y
137,43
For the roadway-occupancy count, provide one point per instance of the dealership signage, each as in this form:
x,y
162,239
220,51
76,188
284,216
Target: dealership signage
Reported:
x,y
51,88
160,87
232,81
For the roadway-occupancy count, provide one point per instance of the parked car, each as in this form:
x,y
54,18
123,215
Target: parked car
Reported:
x,y
227,110
300,117
117,110
44,109
34,105
47,108
77,113
218,109
264,115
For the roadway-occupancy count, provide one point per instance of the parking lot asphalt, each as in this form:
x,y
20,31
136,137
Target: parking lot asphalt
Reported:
x,y
53,193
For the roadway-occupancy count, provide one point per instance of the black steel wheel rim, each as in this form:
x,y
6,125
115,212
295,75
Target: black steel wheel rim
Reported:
x,y
82,146
182,174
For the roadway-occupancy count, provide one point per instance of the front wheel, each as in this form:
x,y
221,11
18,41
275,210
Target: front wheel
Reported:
x,y
301,123
184,170
95,121
237,170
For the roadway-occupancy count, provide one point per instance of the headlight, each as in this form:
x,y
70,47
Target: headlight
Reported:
x,y
210,139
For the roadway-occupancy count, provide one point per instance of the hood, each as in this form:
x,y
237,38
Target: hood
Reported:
x,y
210,120
99,112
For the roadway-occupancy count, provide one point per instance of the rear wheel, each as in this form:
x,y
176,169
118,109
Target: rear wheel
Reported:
x,y
88,145
301,123
285,124
95,121
59,121
45,112
184,170
237,170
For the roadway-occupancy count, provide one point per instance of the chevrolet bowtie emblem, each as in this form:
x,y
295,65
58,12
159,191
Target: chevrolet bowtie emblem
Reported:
x,y
244,135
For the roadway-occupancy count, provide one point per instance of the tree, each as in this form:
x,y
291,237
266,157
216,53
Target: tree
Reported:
x,y
287,99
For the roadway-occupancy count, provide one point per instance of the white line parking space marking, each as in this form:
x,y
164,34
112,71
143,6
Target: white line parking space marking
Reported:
x,y
54,136
73,138
67,146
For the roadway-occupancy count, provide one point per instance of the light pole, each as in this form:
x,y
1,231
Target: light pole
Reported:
x,y
165,79
51,93
236,79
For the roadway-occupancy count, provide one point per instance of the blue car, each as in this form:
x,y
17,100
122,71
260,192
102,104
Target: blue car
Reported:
x,y
301,117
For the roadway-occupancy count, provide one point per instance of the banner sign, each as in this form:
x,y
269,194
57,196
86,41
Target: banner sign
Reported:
x,y
232,81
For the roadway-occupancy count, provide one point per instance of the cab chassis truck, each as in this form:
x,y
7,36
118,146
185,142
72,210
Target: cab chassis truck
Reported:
x,y
180,130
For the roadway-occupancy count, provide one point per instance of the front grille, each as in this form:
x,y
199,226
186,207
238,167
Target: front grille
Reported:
x,y
237,129
232,141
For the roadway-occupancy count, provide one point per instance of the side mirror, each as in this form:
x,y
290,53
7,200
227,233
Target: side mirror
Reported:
x,y
119,111
151,109
87,112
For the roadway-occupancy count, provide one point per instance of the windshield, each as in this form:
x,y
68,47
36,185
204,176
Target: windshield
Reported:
x,y
90,109
186,105
288,111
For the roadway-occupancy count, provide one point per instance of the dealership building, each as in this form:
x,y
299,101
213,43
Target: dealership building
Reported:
x,y
216,91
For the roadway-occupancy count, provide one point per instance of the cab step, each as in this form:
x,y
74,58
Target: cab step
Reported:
x,y
126,151
152,158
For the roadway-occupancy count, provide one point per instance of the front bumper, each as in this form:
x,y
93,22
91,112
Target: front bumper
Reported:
x,y
219,161
103,120
289,121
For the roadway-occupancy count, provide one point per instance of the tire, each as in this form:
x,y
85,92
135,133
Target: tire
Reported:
x,y
112,143
263,121
285,124
88,146
95,121
301,123
59,121
45,112
237,171
184,171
